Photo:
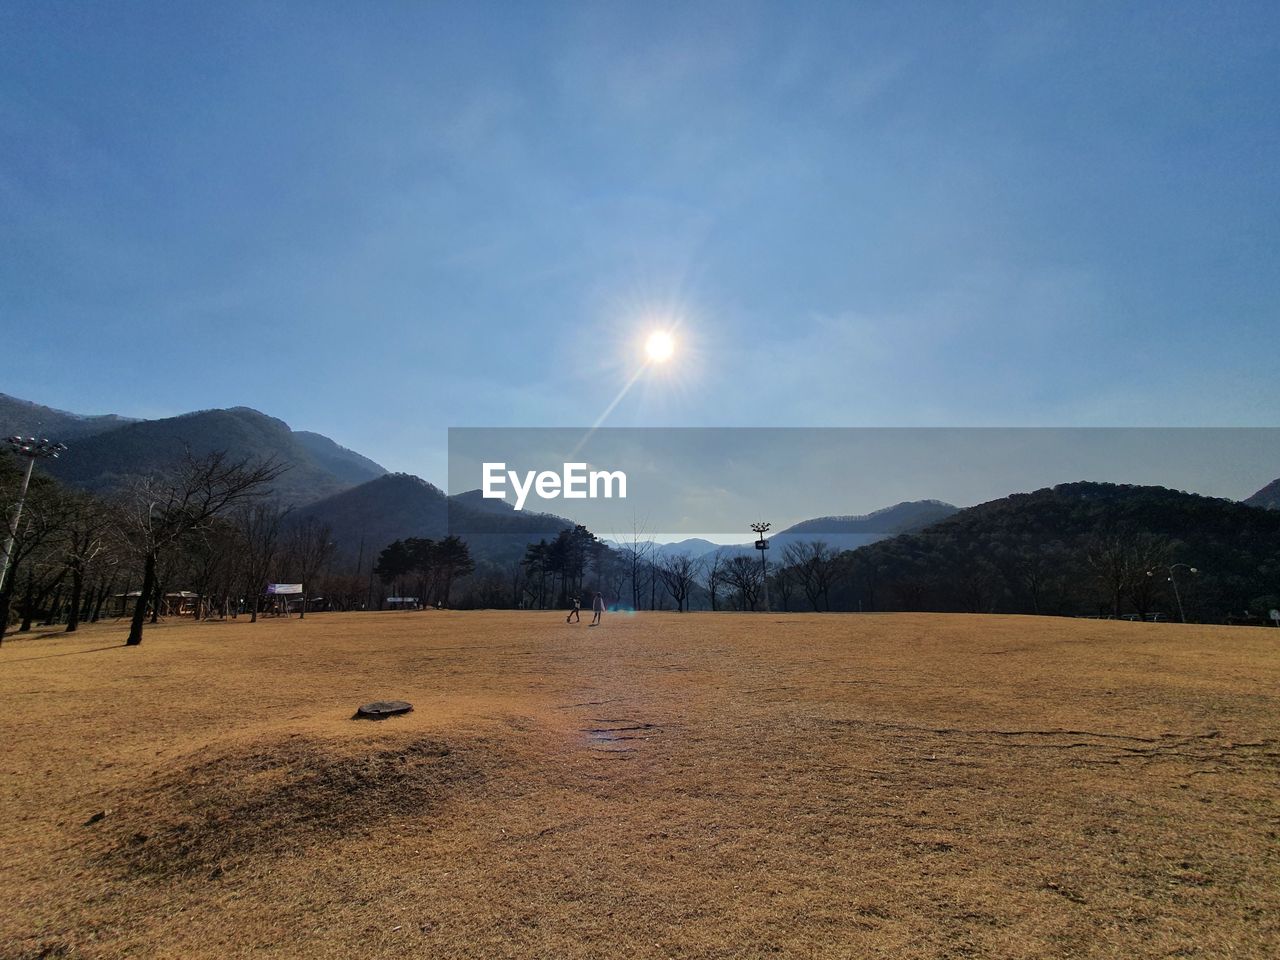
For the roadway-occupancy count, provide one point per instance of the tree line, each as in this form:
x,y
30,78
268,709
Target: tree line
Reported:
x,y
208,526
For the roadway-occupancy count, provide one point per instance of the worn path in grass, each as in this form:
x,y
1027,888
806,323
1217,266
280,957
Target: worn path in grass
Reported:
x,y
690,786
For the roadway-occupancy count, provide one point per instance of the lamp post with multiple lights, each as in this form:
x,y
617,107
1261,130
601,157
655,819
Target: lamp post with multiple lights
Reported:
x,y
1174,580
762,545
32,448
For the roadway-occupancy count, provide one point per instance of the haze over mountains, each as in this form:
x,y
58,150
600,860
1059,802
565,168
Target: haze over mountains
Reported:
x,y
839,533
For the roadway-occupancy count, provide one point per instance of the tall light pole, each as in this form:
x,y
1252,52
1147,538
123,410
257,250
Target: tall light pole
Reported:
x,y
31,448
1174,580
762,545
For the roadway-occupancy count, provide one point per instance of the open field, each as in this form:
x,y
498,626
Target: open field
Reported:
x,y
665,786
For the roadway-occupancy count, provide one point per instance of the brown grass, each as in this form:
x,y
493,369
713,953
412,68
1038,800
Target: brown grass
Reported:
x,y
663,786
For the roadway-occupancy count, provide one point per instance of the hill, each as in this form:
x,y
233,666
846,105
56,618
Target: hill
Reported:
x,y
1268,497
1079,548
847,532
905,517
318,467
366,518
33,419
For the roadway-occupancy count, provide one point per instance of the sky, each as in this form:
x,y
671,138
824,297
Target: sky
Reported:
x,y
379,221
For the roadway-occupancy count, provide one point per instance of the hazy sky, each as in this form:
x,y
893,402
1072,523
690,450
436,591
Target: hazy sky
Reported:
x,y
379,220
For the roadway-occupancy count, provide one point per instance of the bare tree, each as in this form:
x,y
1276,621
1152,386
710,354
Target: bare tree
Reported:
x,y
1122,562
715,575
815,565
679,573
637,558
259,525
309,547
37,542
743,574
88,544
782,585
161,510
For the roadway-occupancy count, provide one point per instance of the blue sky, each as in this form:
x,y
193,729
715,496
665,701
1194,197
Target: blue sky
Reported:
x,y
381,220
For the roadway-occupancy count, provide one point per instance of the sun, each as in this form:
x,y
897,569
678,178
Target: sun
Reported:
x,y
659,347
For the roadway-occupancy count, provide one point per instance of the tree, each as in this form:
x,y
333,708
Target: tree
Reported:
x,y
715,575
679,573
160,510
394,561
1123,562
87,543
636,556
259,525
743,574
782,584
42,527
308,547
815,565
453,558
535,562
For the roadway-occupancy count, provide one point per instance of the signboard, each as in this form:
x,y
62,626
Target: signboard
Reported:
x,y
1275,616
762,544
280,589
402,599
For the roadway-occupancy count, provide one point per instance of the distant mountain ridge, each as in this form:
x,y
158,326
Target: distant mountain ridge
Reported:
x,y
317,467
900,518
1268,497
365,518
106,451
848,532
18,416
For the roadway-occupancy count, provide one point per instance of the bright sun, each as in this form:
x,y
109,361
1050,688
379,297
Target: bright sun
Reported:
x,y
659,347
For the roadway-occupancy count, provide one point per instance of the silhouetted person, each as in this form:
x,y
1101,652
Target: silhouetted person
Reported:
x,y
597,607
575,615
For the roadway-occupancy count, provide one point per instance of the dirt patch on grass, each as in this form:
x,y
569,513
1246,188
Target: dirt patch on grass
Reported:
x,y
208,812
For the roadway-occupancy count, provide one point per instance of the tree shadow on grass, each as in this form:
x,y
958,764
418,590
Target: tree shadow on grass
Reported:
x,y
69,653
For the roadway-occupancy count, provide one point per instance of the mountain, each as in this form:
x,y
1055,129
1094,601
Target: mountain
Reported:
x,y
1080,548
1268,497
838,532
366,518
317,467
693,546
347,465
905,517
33,419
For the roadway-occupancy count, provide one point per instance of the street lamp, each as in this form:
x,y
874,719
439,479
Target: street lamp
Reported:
x,y
31,448
762,545
1172,579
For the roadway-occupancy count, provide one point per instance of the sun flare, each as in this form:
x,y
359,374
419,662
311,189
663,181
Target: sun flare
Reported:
x,y
659,347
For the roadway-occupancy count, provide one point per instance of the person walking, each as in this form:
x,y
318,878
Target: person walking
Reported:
x,y
575,615
597,608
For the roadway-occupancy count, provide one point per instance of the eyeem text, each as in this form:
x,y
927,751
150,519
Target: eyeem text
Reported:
x,y
575,482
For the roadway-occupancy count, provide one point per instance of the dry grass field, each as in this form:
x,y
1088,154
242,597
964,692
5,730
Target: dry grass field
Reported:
x,y
702,785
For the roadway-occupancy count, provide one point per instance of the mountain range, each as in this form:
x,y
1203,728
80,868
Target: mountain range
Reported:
x,y
838,532
365,505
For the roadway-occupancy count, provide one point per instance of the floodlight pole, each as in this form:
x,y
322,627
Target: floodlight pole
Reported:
x,y
31,448
1177,594
762,545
